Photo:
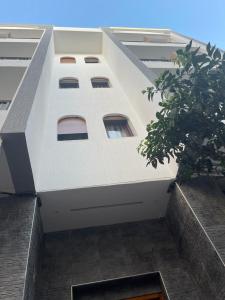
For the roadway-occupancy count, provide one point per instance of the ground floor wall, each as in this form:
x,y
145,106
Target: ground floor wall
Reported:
x,y
20,234
106,252
196,218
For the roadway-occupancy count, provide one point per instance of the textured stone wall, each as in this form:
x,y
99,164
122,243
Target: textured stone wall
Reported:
x,y
95,254
16,229
196,217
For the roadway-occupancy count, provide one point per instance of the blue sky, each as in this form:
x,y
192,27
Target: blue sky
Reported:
x,y
201,19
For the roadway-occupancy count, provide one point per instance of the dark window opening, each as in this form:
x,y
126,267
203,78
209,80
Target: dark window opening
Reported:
x,y
91,60
100,82
72,136
68,83
117,127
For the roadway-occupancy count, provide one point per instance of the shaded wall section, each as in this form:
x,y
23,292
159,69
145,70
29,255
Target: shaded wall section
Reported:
x,y
20,234
13,130
6,183
196,217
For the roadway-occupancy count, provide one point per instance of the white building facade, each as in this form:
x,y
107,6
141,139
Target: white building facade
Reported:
x,y
75,106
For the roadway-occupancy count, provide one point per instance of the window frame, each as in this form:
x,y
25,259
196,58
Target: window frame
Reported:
x,y
72,136
128,128
99,86
73,60
90,58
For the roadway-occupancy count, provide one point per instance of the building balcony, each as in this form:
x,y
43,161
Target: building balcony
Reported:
x,y
159,64
16,53
14,61
19,40
154,44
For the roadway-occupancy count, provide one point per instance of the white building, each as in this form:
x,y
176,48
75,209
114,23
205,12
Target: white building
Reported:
x,y
76,115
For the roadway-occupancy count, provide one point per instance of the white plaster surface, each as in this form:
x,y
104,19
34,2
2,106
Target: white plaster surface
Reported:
x,y
98,160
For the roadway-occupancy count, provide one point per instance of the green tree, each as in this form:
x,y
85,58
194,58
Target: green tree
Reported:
x,y
190,125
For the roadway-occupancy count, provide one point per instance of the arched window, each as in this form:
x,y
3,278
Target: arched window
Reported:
x,y
117,126
68,83
72,128
67,60
100,82
91,60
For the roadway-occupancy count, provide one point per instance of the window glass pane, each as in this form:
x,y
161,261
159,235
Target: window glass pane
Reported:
x,y
99,82
66,83
91,60
117,127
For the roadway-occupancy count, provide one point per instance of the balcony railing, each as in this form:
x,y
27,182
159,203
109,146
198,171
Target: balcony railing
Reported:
x,y
156,59
12,36
153,42
14,58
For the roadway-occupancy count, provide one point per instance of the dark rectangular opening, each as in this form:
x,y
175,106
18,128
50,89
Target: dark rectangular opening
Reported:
x,y
100,85
68,85
72,136
138,287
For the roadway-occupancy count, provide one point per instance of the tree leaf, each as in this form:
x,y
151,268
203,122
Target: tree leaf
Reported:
x,y
188,126
188,47
217,54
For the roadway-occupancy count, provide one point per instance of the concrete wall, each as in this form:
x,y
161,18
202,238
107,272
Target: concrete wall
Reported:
x,y
95,254
133,80
96,206
13,131
135,77
98,160
141,36
36,121
68,166
19,48
17,227
77,40
197,220
6,183
21,32
146,50
12,71
10,79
